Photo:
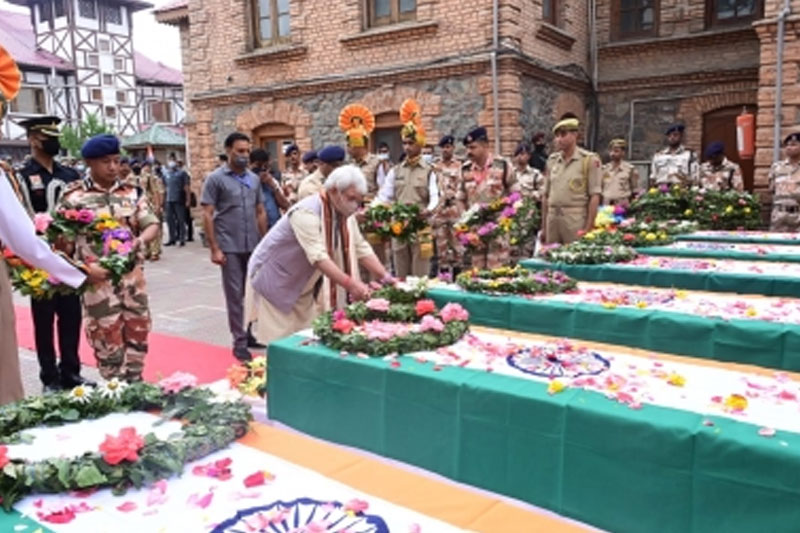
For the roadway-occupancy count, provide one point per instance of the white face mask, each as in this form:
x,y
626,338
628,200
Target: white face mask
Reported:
x,y
383,157
171,164
428,158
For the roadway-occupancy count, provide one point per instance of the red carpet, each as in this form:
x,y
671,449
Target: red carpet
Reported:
x,y
166,355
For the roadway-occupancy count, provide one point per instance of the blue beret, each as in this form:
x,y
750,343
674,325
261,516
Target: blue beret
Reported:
x,y
100,146
522,147
478,134
291,148
447,139
715,148
331,154
675,127
792,137
309,156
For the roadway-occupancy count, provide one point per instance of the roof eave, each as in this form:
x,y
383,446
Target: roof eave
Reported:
x,y
174,17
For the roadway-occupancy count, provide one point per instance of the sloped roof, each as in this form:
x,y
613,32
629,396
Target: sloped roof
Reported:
x,y
155,135
169,6
17,36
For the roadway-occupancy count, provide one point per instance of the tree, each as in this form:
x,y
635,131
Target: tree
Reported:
x,y
73,138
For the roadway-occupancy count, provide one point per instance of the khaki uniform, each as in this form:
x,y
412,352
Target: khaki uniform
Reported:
x,y
619,182
117,317
483,185
291,183
310,185
446,214
784,183
153,188
725,177
569,186
369,166
411,187
530,182
674,167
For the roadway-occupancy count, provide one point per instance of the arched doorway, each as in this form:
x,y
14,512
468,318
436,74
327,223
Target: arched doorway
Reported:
x,y
274,138
387,130
720,125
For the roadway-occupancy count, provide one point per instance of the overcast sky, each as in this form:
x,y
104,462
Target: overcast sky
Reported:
x,y
160,42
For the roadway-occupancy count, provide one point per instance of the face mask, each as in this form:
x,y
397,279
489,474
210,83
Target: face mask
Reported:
x,y
240,161
80,168
137,171
428,158
383,157
171,164
51,146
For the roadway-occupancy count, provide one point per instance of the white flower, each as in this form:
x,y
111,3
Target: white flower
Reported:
x,y
113,389
81,394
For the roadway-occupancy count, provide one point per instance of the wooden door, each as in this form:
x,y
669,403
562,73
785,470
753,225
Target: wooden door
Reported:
x,y
720,125
387,130
274,138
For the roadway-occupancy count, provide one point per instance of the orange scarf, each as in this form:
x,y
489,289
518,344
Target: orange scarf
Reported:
x,y
344,237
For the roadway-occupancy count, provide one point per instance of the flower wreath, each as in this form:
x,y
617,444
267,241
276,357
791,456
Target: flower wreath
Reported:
x,y
128,459
515,280
32,281
393,321
399,221
582,253
249,378
511,215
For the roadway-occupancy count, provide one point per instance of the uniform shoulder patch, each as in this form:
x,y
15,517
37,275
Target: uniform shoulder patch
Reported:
x,y
73,186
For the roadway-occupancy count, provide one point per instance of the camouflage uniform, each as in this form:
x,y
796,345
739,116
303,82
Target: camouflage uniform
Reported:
x,y
784,183
291,183
725,177
568,188
153,188
671,167
483,185
531,185
117,317
619,183
446,215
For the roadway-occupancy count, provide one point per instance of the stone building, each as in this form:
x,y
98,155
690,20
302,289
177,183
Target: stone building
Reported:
x,y
281,70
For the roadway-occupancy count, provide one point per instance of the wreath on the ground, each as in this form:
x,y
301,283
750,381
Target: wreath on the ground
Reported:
x,y
128,459
581,253
393,321
515,280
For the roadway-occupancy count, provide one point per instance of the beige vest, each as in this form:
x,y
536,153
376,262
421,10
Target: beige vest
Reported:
x,y
411,184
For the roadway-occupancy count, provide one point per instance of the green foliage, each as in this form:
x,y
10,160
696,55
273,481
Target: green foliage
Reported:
x,y
72,138
398,221
209,427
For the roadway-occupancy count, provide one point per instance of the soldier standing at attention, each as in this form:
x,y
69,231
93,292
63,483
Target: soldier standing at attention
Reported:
x,y
43,182
448,168
719,173
620,178
330,158
573,187
153,187
784,183
293,174
529,180
675,164
117,316
484,178
412,182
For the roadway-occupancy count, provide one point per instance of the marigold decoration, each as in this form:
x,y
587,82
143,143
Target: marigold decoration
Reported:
x,y
31,281
411,118
411,323
515,280
357,122
715,210
403,222
122,461
249,378
10,80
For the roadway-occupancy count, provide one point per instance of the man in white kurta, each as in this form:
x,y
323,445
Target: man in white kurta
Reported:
x,y
308,263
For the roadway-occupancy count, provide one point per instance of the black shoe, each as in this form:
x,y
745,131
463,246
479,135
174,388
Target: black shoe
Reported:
x,y
70,382
170,244
190,239
242,354
182,244
50,388
253,343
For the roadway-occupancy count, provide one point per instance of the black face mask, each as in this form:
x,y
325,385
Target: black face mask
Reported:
x,y
136,170
51,146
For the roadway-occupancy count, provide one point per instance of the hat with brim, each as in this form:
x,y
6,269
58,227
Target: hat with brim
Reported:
x,y
568,124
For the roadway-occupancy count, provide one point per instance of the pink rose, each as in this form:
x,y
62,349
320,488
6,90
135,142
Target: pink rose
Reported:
x,y
453,311
431,323
339,314
177,382
378,304
41,221
86,216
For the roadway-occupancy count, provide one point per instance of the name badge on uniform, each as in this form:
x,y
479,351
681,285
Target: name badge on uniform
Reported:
x,y
36,182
